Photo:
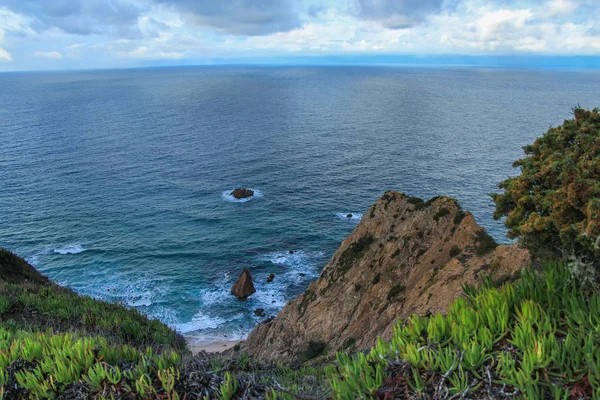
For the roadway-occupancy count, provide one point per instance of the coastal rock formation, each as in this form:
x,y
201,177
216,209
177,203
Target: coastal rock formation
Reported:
x,y
244,287
270,278
406,256
242,193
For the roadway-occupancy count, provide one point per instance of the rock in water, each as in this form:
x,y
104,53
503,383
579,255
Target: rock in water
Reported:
x,y
242,193
349,216
244,287
260,312
270,278
406,256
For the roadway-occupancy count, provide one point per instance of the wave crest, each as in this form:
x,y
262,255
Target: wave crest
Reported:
x,y
69,249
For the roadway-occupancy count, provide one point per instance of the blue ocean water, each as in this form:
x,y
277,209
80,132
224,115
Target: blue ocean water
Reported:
x,y
116,183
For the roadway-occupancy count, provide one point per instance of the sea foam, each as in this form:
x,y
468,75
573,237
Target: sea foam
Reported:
x,y
69,249
356,217
226,195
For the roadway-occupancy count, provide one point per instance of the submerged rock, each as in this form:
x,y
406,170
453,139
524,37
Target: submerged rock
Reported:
x,y
407,256
270,278
260,312
244,287
242,193
349,216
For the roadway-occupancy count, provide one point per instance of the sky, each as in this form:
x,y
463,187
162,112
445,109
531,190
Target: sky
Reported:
x,y
89,34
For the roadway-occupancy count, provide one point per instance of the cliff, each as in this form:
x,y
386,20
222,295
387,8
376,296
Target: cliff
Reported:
x,y
405,257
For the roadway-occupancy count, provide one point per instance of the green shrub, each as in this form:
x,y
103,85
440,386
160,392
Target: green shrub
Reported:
x,y
442,212
455,250
395,291
486,245
459,216
314,349
553,207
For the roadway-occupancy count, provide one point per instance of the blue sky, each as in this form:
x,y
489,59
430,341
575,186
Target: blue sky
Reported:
x,y
82,34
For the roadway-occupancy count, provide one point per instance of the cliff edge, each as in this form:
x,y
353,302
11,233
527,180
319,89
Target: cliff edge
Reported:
x,y
406,256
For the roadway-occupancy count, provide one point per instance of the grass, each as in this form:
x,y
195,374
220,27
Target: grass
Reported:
x,y
56,308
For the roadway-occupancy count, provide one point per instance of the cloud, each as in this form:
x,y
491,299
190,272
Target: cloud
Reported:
x,y
397,14
560,7
55,55
144,52
240,17
81,17
5,56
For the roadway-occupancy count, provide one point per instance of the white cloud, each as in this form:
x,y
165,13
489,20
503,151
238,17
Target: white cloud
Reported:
x,y
48,54
560,7
459,27
5,56
143,52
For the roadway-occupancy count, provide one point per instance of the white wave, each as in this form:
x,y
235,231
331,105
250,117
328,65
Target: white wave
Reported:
x,y
200,322
270,296
218,294
355,217
33,260
69,249
202,338
226,195
214,296
297,267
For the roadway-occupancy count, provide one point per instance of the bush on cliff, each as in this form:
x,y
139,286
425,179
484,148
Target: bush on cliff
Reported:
x,y
553,207
535,338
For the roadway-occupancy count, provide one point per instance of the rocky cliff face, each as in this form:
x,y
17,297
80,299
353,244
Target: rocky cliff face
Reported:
x,y
406,256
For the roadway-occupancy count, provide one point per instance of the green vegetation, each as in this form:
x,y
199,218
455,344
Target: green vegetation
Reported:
x,y
442,212
455,250
534,338
486,245
553,207
53,307
314,349
459,216
353,253
395,291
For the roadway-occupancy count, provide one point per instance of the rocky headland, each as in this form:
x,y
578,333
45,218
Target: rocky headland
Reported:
x,y
407,256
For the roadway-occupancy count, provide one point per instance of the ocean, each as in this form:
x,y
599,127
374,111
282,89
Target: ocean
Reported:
x,y
116,183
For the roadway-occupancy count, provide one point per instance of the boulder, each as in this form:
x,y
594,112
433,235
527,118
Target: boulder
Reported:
x,y
242,193
244,287
349,216
260,312
270,278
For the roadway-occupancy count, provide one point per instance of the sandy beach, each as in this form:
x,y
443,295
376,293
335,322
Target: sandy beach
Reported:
x,y
211,347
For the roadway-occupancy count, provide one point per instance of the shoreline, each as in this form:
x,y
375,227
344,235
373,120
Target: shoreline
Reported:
x,y
216,346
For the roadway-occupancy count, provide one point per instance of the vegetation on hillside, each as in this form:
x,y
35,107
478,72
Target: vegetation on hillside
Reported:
x,y
553,207
534,338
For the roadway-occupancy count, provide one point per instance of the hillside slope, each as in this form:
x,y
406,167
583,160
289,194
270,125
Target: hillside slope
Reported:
x,y
406,256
